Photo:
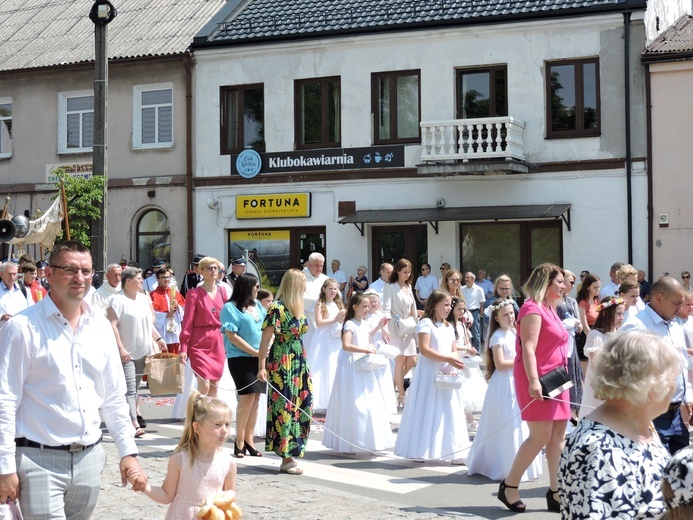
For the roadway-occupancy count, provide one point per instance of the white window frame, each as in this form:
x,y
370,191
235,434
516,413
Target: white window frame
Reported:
x,y
62,121
137,92
6,101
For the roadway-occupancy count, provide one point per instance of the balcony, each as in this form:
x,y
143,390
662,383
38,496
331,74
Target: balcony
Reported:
x,y
483,146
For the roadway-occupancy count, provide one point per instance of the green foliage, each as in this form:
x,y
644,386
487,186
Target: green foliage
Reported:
x,y
83,203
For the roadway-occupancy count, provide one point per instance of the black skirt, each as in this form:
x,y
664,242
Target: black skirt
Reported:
x,y
244,373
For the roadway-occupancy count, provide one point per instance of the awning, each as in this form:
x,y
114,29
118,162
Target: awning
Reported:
x,y
468,214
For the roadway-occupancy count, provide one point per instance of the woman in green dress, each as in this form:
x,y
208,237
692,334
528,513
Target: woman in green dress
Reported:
x,y
284,366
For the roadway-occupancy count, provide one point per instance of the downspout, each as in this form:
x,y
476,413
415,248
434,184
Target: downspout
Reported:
x,y
650,187
187,65
629,166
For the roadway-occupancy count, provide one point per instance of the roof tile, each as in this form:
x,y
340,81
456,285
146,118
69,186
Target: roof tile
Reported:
x,y
677,38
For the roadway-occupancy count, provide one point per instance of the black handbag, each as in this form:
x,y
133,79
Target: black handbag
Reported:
x,y
580,340
555,382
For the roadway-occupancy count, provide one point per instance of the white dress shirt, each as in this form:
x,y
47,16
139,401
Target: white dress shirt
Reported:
x,y
672,331
378,287
56,381
12,300
610,289
103,296
474,296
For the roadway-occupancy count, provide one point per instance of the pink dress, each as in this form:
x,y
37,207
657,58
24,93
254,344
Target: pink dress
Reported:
x,y
197,482
200,335
552,347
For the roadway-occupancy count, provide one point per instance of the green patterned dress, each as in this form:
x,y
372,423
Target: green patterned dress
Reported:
x,y
287,370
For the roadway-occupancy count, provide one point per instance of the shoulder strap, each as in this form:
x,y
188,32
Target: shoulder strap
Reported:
x,y
23,289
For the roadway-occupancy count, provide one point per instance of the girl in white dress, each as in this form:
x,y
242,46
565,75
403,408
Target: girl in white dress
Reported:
x,y
433,424
474,384
375,318
611,311
326,342
358,415
501,429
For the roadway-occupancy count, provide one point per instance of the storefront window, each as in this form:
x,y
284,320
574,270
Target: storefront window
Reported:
x,y
153,238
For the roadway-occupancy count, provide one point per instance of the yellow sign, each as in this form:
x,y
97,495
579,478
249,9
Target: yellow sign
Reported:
x,y
275,234
283,205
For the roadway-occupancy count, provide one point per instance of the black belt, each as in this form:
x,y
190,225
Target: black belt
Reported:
x,y
73,448
674,406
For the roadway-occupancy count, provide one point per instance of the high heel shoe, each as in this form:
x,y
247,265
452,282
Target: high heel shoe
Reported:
x,y
252,451
518,507
239,453
551,503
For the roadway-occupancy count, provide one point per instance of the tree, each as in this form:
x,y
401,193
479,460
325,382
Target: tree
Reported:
x,y
83,199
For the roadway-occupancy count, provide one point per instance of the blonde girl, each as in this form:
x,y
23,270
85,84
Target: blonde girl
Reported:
x,y
433,424
358,416
325,343
376,318
200,466
501,429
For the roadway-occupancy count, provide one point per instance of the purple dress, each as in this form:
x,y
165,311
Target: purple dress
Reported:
x,y
200,335
552,347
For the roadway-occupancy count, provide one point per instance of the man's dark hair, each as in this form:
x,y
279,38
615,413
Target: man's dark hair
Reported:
x,y
71,246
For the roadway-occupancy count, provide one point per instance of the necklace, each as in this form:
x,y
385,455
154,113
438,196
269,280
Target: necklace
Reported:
x,y
632,424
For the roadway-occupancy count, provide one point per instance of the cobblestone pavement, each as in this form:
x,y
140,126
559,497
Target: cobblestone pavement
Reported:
x,y
262,495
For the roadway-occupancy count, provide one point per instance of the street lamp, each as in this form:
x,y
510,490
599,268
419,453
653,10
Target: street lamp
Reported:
x,y
102,13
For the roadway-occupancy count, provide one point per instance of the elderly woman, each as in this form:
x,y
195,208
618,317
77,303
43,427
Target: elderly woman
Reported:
x,y
200,339
541,347
241,322
613,461
290,403
132,318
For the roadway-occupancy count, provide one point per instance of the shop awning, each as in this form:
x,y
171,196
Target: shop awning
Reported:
x,y
466,214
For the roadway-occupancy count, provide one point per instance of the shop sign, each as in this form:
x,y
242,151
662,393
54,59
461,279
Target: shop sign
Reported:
x,y
326,159
83,170
281,205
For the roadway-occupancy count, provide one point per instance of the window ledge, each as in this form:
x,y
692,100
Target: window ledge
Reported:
x,y
572,136
76,151
148,147
6,155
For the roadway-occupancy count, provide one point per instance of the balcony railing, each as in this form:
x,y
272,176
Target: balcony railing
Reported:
x,y
465,139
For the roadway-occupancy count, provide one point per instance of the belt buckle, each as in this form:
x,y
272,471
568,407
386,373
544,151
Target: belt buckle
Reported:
x,y
76,448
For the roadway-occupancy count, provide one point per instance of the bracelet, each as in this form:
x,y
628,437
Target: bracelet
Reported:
x,y
159,339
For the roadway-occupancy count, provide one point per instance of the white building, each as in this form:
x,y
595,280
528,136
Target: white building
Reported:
x,y
481,134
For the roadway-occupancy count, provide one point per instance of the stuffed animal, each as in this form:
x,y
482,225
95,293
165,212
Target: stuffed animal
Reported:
x,y
222,506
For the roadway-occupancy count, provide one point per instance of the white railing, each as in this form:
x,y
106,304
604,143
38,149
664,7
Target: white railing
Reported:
x,y
464,139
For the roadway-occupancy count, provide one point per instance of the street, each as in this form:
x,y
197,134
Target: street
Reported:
x,y
333,485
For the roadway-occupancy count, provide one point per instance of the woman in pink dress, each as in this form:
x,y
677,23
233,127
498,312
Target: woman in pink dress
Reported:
x,y
200,339
542,345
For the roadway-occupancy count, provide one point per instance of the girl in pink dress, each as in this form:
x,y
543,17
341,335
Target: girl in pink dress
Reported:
x,y
200,466
542,345
200,339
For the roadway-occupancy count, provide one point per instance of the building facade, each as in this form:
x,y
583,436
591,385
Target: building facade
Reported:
x,y
484,141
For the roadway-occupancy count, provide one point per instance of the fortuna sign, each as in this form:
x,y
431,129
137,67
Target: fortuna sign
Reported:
x,y
282,205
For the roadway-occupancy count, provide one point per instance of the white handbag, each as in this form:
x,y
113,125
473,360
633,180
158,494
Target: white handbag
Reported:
x,y
452,381
387,350
404,326
371,362
336,329
471,362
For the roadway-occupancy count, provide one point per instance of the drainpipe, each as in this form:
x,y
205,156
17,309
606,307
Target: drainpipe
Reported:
x,y
187,65
650,187
629,167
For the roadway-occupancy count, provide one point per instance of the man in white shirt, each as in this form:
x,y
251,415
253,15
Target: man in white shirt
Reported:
x,y
666,298
385,272
102,297
13,297
55,388
611,289
314,280
475,298
426,283
340,276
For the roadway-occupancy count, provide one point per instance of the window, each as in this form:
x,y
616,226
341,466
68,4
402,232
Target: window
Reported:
x,y
482,92
242,119
76,122
5,127
153,116
396,107
572,98
318,110
153,237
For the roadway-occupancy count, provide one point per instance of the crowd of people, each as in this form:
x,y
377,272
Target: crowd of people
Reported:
x,y
599,384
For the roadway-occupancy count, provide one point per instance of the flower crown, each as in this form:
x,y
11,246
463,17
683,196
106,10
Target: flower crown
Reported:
x,y
502,303
617,300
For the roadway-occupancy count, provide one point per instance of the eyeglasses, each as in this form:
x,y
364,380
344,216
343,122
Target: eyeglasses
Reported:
x,y
442,268
212,268
425,268
222,271
164,278
87,272
454,280
686,276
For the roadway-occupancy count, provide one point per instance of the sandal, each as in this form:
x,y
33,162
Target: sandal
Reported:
x,y
139,432
551,503
252,451
400,403
518,507
239,453
290,468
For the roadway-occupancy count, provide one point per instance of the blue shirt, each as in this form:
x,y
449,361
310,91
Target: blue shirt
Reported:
x,y
245,324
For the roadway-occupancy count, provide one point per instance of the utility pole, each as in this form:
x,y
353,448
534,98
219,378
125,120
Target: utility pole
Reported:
x,y
102,13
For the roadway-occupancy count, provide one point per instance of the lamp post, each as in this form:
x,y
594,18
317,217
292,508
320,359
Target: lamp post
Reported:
x,y
102,13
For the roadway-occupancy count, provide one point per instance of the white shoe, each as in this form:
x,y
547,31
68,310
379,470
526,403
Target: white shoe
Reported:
x,y
458,462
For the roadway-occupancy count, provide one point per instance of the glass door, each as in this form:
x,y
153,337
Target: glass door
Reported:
x,y
390,243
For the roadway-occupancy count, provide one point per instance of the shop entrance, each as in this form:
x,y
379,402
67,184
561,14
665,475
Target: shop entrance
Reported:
x,y
390,243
